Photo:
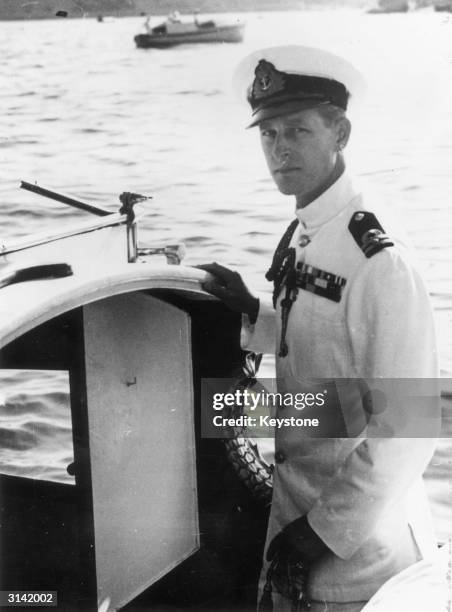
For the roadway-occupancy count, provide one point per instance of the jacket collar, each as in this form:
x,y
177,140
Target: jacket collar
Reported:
x,y
328,204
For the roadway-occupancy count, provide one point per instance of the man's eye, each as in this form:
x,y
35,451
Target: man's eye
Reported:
x,y
300,130
267,133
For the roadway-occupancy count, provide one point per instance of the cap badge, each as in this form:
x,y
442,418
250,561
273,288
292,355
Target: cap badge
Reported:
x,y
268,80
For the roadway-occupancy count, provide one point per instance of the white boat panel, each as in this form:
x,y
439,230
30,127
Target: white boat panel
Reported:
x,y
140,414
100,245
25,305
67,228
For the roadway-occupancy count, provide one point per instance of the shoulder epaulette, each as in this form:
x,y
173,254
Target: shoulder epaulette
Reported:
x,y
368,233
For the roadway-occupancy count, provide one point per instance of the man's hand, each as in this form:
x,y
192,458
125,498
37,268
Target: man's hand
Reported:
x,y
230,288
298,540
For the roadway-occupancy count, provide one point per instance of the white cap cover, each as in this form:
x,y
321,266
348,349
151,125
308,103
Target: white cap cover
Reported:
x,y
280,80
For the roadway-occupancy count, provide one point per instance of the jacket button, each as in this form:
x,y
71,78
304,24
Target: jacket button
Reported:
x,y
280,457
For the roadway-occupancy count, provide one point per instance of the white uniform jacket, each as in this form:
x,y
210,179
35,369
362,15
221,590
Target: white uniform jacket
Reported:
x,y
358,493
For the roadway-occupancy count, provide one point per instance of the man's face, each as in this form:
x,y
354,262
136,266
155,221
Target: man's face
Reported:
x,y
301,151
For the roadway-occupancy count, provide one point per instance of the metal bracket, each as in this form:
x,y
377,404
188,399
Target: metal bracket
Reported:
x,y
132,250
174,253
128,201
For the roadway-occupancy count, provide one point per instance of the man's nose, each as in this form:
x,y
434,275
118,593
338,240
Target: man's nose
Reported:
x,y
281,148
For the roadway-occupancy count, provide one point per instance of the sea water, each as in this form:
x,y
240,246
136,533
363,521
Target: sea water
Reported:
x,y
85,112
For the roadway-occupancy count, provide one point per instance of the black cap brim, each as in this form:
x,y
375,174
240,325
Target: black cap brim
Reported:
x,y
286,108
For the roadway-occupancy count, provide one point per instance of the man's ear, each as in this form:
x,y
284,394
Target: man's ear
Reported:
x,y
343,130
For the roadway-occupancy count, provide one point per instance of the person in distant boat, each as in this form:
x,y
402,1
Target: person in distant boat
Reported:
x,y
348,305
147,24
174,17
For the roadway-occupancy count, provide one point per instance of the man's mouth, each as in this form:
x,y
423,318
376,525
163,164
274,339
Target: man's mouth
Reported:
x,y
287,170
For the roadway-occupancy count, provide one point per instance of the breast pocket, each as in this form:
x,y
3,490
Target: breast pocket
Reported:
x,y
318,327
321,308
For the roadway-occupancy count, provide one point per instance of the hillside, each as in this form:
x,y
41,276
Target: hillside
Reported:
x,y
47,9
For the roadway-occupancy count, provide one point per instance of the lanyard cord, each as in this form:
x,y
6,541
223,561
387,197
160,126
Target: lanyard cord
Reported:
x,y
282,260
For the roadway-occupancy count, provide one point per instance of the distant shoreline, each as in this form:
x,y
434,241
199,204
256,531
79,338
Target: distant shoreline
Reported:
x,y
10,10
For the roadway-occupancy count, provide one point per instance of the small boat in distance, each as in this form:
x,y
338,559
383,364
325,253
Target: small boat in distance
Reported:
x,y
176,30
390,6
443,6
105,18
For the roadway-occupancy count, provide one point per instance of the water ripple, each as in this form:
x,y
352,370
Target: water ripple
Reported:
x,y
17,439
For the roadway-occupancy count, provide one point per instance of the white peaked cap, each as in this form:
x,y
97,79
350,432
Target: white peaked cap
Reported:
x,y
295,61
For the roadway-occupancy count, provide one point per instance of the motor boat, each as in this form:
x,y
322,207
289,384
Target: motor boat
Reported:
x,y
390,6
177,30
443,6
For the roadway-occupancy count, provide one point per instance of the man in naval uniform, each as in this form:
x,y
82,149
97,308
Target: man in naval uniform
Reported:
x,y
348,303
